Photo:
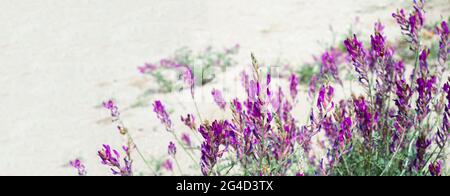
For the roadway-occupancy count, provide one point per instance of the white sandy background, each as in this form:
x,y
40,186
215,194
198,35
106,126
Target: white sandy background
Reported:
x,y
59,59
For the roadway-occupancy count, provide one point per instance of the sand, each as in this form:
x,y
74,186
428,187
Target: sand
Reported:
x,y
59,59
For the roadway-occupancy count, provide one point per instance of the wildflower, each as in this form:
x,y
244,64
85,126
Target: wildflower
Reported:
x,y
378,42
189,79
162,115
358,55
412,24
217,95
171,149
423,62
443,132
422,145
146,68
79,166
345,133
312,86
168,165
435,168
324,100
329,61
112,107
111,158
402,120
189,121
186,139
293,86
444,43
366,120
215,135
425,89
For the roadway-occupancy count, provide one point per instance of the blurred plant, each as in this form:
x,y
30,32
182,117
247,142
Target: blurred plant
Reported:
x,y
193,68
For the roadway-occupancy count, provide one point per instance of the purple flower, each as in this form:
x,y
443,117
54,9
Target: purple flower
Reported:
x,y
402,121
312,86
79,166
168,165
186,139
172,149
358,55
412,24
189,79
324,100
112,107
378,42
425,89
444,43
162,115
422,145
329,61
146,68
435,168
423,62
111,158
217,95
366,120
293,86
215,135
189,121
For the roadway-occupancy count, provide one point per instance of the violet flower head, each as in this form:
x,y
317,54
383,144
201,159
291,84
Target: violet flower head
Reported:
x,y
162,114
312,86
366,120
112,107
378,43
79,167
329,61
111,158
435,169
413,23
217,95
167,165
293,86
357,53
324,100
172,149
186,139
423,62
425,89
444,44
422,145
189,79
189,121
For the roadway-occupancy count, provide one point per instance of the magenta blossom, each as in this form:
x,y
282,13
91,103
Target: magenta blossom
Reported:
x,y
293,86
111,158
167,165
162,114
172,149
186,139
435,168
217,95
112,107
146,68
79,166
189,121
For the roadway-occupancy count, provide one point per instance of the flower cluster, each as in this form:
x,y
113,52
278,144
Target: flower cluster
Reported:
x,y
162,114
376,132
413,23
217,95
111,157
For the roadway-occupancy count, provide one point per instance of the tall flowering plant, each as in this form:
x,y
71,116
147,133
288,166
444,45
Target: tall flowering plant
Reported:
x,y
398,126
